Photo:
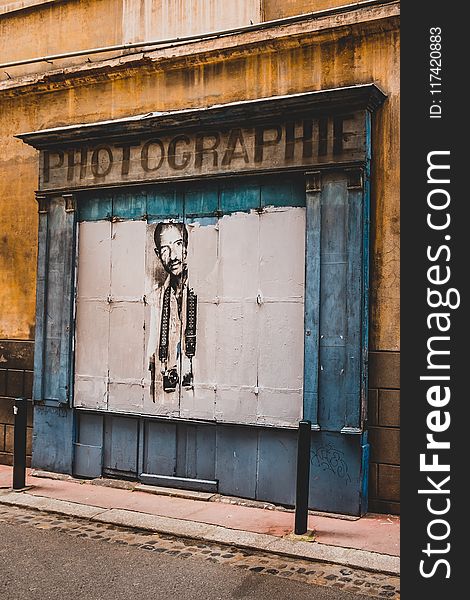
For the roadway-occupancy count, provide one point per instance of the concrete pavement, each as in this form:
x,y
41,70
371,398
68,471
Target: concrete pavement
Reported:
x,y
370,543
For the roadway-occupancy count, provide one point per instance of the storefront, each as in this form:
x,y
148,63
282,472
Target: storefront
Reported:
x,y
202,287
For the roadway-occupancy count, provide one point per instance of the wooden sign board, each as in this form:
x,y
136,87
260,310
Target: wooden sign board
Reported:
x,y
291,144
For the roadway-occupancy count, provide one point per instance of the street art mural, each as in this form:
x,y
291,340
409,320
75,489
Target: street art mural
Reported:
x,y
172,343
201,319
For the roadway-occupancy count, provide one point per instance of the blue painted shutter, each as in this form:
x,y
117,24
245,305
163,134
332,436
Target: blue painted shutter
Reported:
x,y
336,301
54,311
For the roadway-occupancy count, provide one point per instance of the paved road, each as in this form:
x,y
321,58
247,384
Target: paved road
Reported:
x,y
46,564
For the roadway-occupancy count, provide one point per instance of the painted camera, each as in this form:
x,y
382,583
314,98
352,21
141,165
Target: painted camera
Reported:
x,y
170,380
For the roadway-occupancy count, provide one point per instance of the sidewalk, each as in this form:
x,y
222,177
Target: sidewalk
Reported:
x,y
371,542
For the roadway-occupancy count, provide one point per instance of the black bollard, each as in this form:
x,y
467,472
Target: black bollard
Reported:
x,y
19,443
303,477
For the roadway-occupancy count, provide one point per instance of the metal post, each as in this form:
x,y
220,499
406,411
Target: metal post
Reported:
x,y
20,410
303,476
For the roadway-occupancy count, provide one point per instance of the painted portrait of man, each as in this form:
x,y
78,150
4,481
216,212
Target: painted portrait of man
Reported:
x,y
172,342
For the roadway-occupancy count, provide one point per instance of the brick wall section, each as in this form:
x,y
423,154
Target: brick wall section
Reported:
x,y
384,432
16,381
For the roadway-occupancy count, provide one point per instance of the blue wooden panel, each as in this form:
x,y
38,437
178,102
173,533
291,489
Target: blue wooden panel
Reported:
x,y
41,292
160,448
336,476
333,303
141,449
88,460
283,192
130,206
185,451
365,473
353,359
191,452
164,203
66,381
201,201
277,464
242,197
120,445
340,305
58,303
312,303
95,208
52,439
205,451
366,267
236,461
203,221
193,200
196,448
89,429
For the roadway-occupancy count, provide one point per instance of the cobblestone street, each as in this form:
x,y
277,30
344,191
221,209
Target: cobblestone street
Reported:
x,y
332,578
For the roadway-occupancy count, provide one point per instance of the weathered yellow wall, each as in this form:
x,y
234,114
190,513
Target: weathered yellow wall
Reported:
x,y
58,28
73,25
324,61
277,9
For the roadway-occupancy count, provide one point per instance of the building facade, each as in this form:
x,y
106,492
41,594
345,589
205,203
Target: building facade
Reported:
x,y
216,253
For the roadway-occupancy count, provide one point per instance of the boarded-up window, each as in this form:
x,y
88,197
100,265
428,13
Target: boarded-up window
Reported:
x,y
193,314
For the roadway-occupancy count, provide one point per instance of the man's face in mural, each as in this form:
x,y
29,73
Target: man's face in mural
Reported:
x,y
171,247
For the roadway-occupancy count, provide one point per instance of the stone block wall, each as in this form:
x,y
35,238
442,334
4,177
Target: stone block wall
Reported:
x,y
16,381
384,432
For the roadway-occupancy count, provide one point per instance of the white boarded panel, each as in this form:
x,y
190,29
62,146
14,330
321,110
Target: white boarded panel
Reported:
x,y
282,253
125,397
90,392
128,259
281,347
126,331
198,402
202,260
238,252
94,266
161,403
279,407
236,404
237,344
247,271
92,338
204,361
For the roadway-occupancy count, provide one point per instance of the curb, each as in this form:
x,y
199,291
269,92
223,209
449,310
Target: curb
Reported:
x,y
312,551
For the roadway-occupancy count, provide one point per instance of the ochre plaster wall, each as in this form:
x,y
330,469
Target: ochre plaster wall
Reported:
x,y
277,9
320,61
71,25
